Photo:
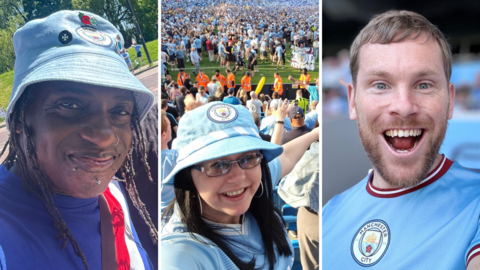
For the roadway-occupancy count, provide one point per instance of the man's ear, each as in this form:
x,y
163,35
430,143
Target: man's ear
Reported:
x,y
351,102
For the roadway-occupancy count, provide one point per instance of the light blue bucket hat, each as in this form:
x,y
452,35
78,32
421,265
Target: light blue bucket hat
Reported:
x,y
74,46
217,130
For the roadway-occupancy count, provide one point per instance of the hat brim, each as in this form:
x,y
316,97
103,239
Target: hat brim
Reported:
x,y
226,147
88,67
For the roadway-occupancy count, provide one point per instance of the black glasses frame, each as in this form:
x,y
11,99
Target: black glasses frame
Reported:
x,y
201,168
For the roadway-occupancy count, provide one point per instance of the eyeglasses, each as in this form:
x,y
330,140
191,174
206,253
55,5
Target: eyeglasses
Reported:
x,y
221,167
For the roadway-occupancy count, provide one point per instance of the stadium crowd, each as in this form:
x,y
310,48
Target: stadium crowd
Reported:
x,y
238,35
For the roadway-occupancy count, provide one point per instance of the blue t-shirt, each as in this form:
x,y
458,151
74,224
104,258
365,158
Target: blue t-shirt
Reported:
x,y
231,100
312,89
126,56
179,54
433,225
197,43
138,48
248,43
170,48
279,51
163,69
220,49
28,237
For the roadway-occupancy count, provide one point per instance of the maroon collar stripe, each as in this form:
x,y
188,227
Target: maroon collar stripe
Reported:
x,y
433,176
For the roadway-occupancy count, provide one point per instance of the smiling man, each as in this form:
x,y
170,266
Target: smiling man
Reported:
x,y
72,115
416,209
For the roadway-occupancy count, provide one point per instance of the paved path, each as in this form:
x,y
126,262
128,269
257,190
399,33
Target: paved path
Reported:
x,y
149,78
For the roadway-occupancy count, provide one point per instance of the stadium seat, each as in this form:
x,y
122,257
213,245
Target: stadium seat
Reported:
x,y
290,216
296,253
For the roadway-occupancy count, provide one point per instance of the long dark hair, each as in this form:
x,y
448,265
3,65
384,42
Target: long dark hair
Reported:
x,y
268,217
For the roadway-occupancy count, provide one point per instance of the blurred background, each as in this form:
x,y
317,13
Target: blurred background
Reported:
x,y
346,162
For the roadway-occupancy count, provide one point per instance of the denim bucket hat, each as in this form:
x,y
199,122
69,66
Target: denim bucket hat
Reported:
x,y
74,46
217,130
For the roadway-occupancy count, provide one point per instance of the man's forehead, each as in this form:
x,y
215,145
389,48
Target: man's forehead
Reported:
x,y
414,56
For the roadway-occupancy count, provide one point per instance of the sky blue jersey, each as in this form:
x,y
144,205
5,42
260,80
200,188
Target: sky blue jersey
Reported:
x,y
434,225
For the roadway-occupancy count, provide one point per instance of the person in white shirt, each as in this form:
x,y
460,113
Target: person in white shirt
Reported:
x,y
254,105
202,95
212,87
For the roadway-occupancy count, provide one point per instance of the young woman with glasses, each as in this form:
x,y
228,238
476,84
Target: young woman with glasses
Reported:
x,y
223,215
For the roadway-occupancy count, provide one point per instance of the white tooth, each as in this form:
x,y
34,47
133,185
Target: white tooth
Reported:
x,y
388,133
395,133
400,133
408,133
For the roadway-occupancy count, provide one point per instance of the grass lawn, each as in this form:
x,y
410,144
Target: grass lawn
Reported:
x,y
152,47
6,84
266,70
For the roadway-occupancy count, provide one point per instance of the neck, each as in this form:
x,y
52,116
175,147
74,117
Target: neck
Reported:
x,y
379,182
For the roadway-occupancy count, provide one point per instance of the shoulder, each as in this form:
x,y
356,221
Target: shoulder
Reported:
x,y
337,200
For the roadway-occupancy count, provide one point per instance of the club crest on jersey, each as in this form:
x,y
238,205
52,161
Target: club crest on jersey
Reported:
x,y
222,113
371,242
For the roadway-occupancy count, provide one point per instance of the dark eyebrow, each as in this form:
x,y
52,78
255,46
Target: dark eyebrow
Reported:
x,y
84,93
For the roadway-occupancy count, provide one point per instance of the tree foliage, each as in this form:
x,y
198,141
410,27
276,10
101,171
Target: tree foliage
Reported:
x,y
15,13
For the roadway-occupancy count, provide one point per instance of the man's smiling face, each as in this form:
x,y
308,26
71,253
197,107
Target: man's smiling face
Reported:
x,y
82,134
402,101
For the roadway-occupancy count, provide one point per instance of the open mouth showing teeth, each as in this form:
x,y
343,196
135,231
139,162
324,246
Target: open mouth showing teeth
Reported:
x,y
234,193
403,140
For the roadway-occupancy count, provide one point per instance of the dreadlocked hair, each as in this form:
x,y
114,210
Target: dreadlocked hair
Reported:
x,y
37,182
128,172
33,177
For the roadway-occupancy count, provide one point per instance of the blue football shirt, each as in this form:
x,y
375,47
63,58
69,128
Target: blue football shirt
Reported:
x,y
433,225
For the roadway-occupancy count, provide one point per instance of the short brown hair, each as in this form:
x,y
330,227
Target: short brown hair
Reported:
x,y
395,26
163,104
164,122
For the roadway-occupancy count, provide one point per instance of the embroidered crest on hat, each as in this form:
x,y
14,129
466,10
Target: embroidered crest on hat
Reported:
x,y
370,242
94,36
222,113
65,37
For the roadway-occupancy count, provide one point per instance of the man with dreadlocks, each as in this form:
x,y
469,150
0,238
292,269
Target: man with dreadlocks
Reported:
x,y
72,115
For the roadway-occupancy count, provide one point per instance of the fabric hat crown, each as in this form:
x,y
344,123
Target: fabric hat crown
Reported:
x,y
217,130
74,46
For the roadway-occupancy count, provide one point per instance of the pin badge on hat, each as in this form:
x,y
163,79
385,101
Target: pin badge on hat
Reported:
x,y
84,18
65,37
93,21
119,44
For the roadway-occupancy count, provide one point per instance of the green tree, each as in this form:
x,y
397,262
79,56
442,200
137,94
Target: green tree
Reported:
x,y
146,12
7,52
35,9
